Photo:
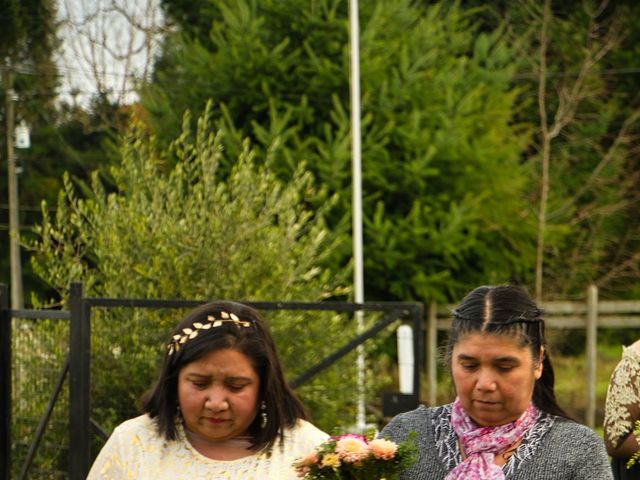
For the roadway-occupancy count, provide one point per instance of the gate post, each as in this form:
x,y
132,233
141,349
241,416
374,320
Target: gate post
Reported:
x,y
418,348
592,353
79,358
432,353
5,383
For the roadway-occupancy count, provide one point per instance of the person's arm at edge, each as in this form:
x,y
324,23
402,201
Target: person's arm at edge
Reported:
x,y
629,444
625,449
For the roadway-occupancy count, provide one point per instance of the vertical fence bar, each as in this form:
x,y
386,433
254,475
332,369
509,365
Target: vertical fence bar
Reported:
x,y
592,342
79,357
5,384
432,349
418,320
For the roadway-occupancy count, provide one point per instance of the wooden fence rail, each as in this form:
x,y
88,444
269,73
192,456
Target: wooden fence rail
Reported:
x,y
589,315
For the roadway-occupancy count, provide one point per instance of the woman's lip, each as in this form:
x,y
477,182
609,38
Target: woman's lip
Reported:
x,y
216,420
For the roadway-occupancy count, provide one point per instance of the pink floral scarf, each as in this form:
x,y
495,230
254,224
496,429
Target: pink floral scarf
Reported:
x,y
481,444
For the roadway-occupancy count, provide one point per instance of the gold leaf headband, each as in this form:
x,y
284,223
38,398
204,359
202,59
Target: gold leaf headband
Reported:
x,y
192,332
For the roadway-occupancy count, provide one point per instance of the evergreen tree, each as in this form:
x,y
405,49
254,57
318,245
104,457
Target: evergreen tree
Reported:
x,y
444,202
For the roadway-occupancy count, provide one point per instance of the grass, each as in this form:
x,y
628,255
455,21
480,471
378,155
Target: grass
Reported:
x,y
571,379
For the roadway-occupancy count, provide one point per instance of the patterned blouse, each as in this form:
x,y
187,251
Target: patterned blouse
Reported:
x,y
135,451
622,407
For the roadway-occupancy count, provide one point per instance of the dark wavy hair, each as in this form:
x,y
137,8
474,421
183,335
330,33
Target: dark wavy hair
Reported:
x,y
508,310
283,407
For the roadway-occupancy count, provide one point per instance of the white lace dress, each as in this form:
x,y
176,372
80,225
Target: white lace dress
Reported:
x,y
622,407
135,451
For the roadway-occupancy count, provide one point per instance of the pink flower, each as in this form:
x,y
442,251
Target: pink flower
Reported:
x,y
308,460
352,448
362,438
383,449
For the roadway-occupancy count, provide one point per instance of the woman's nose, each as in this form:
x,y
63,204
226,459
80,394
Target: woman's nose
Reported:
x,y
485,381
216,399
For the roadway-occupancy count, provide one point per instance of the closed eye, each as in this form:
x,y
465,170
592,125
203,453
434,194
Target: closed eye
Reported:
x,y
505,368
236,387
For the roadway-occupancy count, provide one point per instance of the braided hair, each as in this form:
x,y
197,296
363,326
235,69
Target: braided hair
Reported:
x,y
509,310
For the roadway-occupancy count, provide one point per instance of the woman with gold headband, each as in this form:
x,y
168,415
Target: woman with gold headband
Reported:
x,y
505,422
220,409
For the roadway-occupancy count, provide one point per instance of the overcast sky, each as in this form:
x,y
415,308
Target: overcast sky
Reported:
x,y
106,45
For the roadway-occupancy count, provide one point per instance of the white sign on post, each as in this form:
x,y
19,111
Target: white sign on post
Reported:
x,y
23,139
406,361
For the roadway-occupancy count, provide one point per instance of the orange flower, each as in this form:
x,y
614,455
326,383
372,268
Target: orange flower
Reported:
x,y
351,449
383,449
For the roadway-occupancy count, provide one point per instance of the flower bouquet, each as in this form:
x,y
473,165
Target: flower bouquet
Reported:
x,y
356,457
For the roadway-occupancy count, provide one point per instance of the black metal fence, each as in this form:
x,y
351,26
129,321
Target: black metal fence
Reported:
x,y
73,365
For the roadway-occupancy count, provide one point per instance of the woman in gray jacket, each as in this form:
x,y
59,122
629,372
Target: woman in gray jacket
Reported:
x,y
505,422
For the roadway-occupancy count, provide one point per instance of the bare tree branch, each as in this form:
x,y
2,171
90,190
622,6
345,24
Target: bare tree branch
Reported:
x,y
630,267
570,96
110,44
622,138
546,147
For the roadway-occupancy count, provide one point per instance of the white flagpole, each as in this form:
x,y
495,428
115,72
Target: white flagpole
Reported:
x,y
356,165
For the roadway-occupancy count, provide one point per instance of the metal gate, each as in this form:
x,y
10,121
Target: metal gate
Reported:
x,y
76,366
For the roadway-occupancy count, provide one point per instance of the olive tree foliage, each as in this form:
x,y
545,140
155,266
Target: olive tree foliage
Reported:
x,y
180,232
183,233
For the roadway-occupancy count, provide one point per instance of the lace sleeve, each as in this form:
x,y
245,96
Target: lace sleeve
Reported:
x,y
622,407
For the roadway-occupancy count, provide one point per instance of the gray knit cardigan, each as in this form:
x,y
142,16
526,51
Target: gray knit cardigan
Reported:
x,y
567,450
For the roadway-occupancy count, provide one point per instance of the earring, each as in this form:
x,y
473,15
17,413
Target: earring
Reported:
x,y
263,415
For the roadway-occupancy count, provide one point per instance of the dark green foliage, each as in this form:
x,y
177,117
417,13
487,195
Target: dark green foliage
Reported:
x,y
441,170
28,30
27,45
